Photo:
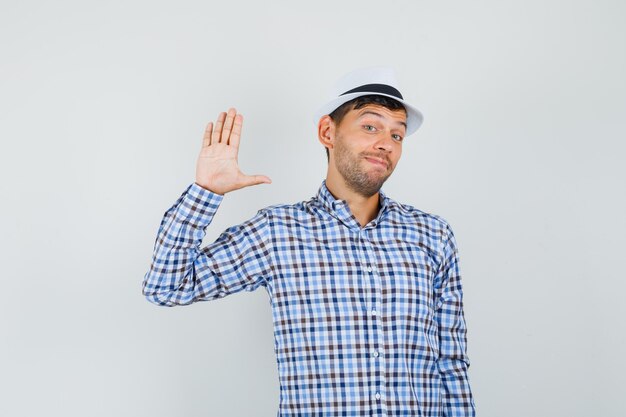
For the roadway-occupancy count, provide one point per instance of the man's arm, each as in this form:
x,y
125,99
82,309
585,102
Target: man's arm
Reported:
x,y
181,272
453,363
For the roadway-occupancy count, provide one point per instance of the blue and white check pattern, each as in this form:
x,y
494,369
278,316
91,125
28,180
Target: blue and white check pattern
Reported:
x,y
368,321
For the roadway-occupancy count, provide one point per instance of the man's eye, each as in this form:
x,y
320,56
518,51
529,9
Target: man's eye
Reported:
x,y
369,127
397,137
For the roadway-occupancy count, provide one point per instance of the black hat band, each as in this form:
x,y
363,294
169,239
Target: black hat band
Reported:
x,y
376,88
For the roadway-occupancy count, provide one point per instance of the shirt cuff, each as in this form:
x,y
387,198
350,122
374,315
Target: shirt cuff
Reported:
x,y
199,205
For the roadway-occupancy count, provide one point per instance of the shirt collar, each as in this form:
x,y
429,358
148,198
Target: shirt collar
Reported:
x,y
339,208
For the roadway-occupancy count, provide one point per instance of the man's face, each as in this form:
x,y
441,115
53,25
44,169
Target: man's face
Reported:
x,y
368,145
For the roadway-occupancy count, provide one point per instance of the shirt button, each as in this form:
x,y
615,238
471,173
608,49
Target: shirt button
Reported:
x,y
374,312
369,269
375,353
377,395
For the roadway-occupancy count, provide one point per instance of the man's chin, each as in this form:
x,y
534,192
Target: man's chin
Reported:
x,y
379,177
372,187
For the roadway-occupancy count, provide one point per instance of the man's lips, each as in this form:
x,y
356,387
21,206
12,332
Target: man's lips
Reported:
x,y
377,161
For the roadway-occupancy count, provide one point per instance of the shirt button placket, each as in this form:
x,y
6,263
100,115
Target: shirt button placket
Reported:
x,y
377,331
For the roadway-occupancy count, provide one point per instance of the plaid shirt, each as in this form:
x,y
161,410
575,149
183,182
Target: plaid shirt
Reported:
x,y
368,321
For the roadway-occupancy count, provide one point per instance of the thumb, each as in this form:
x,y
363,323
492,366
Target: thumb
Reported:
x,y
256,179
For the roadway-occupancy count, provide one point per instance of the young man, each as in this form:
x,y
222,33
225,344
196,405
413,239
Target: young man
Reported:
x,y
365,291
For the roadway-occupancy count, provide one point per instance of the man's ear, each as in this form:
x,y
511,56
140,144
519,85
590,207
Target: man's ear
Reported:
x,y
326,131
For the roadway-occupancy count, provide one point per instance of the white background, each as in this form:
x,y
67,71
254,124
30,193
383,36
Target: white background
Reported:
x,y
102,110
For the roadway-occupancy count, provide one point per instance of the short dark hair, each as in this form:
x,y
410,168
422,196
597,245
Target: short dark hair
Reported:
x,y
338,114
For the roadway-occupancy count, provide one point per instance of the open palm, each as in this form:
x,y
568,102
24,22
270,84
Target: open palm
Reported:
x,y
217,168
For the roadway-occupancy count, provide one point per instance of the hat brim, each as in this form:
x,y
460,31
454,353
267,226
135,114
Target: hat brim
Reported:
x,y
414,117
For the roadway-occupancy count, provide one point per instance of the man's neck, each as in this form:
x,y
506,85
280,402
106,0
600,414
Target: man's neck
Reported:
x,y
364,209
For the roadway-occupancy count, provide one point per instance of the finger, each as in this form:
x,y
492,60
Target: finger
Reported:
x,y
235,135
206,140
228,124
256,179
217,131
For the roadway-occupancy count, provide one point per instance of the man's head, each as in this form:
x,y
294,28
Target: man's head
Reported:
x,y
362,126
363,141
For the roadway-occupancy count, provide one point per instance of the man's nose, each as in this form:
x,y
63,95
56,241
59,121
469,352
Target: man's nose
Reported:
x,y
384,142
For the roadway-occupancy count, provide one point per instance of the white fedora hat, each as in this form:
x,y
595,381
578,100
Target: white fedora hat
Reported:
x,y
379,81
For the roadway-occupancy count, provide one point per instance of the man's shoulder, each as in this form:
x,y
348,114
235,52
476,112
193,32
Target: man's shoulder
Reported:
x,y
281,209
414,215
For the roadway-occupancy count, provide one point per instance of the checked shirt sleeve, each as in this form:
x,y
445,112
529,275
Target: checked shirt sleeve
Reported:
x,y
453,363
182,273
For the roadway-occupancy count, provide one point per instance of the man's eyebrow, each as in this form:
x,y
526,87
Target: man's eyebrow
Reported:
x,y
373,113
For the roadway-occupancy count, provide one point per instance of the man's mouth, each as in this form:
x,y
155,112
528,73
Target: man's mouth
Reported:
x,y
377,161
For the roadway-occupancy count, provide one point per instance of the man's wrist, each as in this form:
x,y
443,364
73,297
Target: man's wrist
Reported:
x,y
207,188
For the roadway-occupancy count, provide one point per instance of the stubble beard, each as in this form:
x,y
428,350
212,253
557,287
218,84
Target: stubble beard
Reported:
x,y
361,181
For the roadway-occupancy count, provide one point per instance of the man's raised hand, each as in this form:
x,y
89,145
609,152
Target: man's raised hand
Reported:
x,y
217,168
